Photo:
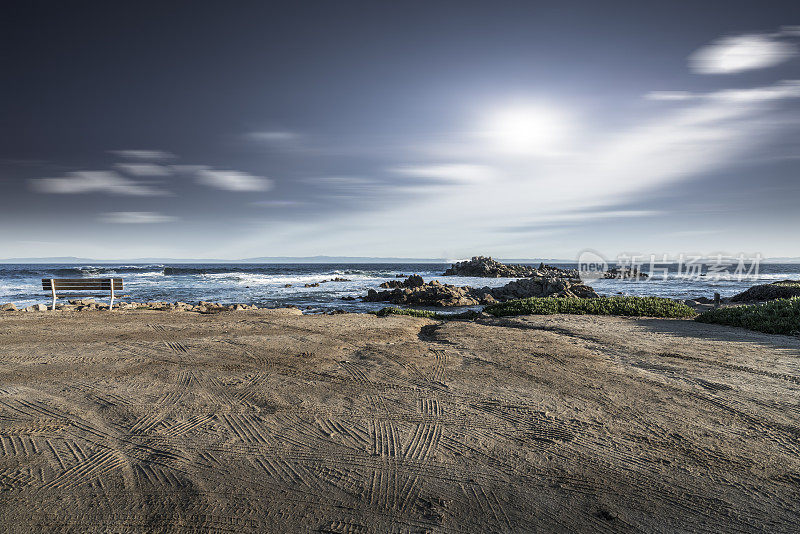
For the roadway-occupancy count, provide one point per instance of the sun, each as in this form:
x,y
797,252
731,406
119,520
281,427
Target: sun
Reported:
x,y
525,130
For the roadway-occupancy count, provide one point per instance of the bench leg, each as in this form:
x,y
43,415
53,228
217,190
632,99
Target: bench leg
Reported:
x,y
111,304
53,290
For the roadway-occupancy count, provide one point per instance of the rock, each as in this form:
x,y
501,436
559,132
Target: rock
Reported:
x,y
287,285
435,294
783,289
484,267
625,273
36,308
8,307
82,302
348,297
541,286
336,311
410,292
211,307
414,280
315,284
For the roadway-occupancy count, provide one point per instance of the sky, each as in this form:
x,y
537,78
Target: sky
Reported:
x,y
399,129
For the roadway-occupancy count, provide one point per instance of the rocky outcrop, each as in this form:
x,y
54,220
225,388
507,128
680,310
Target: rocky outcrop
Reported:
x,y
414,292
625,273
8,307
777,290
430,294
412,281
542,286
484,267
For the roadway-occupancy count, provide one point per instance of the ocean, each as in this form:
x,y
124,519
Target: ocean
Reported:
x,y
265,284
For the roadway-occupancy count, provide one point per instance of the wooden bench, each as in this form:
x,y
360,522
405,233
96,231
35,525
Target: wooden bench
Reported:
x,y
82,284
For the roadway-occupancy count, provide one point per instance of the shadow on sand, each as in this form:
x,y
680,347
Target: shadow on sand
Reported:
x,y
729,334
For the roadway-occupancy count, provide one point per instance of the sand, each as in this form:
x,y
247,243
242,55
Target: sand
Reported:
x,y
263,421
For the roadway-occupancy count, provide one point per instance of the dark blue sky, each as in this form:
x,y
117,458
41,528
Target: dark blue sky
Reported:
x,y
443,129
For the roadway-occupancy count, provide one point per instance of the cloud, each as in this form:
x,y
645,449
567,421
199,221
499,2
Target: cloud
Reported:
x,y
278,203
188,169
599,172
148,155
453,172
778,91
569,218
340,181
136,217
95,182
272,136
670,96
233,180
740,53
143,169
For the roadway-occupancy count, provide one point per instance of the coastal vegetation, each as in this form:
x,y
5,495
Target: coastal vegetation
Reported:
x,y
776,317
625,306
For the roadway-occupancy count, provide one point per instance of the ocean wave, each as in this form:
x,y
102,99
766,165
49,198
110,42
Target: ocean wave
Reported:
x,y
79,271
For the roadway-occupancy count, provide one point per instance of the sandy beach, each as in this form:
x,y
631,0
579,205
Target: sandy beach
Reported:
x,y
269,421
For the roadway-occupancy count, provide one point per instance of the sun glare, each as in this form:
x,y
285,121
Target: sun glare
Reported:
x,y
526,130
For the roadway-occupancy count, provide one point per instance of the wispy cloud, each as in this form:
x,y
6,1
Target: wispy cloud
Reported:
x,y
452,172
143,169
670,96
778,91
136,217
145,155
598,172
233,180
278,203
571,218
739,53
275,136
95,182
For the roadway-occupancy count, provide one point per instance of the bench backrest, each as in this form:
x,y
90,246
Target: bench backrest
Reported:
x,y
82,284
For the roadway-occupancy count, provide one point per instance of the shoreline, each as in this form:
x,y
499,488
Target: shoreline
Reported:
x,y
264,285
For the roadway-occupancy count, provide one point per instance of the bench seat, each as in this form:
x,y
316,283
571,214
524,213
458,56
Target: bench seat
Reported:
x,y
112,285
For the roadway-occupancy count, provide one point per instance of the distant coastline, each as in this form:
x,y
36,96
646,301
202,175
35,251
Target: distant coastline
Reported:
x,y
267,259
307,259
